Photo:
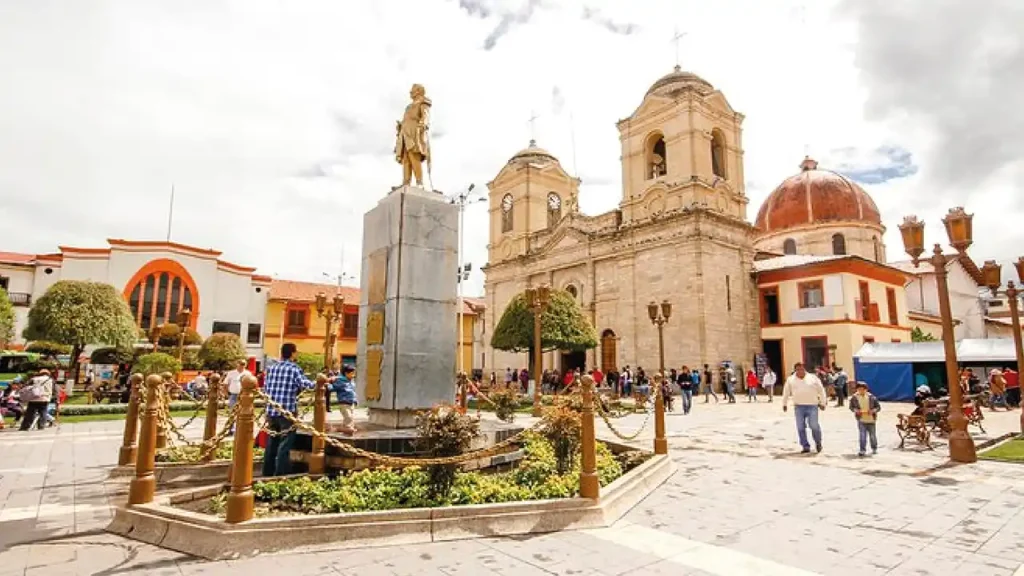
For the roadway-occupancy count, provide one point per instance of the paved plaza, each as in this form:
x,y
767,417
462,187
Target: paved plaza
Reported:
x,y
741,502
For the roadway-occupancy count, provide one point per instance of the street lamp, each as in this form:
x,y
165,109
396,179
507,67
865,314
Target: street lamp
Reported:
x,y
329,314
184,317
537,301
958,228
461,199
659,317
993,279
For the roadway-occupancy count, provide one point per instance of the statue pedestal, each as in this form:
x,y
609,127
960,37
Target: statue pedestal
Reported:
x,y
407,309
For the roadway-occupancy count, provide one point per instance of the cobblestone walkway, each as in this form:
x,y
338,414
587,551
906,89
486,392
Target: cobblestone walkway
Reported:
x,y
741,502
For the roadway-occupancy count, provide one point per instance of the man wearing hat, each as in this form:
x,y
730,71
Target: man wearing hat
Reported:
x,y
865,408
37,394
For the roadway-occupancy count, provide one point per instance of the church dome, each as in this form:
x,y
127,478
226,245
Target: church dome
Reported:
x,y
815,196
677,81
533,154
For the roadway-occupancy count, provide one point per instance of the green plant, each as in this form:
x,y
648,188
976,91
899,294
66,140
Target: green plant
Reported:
x,y
563,326
77,314
177,454
444,431
506,402
310,363
190,359
48,349
563,429
170,335
156,363
221,351
110,355
6,318
918,335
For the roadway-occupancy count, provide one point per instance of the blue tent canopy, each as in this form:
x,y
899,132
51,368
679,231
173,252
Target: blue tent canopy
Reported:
x,y
888,368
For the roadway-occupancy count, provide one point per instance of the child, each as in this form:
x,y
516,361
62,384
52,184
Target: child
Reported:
x,y
752,384
345,387
865,408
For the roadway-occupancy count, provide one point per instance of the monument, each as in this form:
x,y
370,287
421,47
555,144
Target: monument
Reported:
x,y
407,309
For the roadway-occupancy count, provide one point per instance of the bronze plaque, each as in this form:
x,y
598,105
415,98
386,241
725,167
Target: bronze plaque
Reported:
x,y
378,280
374,359
375,328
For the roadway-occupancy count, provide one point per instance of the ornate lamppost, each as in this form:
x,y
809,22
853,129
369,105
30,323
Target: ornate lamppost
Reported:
x,y
993,279
537,301
958,228
329,314
659,318
184,317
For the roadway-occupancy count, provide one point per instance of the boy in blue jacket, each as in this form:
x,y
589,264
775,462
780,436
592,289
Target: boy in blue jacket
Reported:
x,y
345,388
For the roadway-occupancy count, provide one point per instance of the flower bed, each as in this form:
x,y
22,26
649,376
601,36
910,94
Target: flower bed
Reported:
x,y
536,478
180,454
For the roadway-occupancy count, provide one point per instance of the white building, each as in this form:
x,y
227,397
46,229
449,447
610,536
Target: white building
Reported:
x,y
157,280
964,280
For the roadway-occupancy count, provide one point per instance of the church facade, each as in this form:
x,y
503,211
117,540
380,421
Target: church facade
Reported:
x,y
679,234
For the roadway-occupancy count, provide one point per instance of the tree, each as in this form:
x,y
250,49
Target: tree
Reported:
x,y
170,336
221,351
310,363
48,349
563,326
110,355
918,335
6,319
156,363
79,313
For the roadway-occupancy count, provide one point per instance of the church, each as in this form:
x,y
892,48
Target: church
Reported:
x,y
806,281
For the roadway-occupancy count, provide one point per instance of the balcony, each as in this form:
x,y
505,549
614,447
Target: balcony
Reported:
x,y
20,298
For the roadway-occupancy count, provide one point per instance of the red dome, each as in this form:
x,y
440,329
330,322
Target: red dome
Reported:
x,y
815,196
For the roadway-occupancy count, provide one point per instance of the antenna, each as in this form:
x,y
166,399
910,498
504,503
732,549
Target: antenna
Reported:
x,y
170,214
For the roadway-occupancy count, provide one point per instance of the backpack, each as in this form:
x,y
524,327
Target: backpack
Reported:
x,y
34,392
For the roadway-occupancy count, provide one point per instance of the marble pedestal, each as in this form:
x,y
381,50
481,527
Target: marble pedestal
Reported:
x,y
407,309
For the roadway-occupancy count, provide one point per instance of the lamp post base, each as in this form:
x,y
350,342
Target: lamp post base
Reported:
x,y
589,486
661,446
961,447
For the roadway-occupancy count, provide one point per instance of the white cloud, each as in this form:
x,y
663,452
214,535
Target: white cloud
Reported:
x,y
275,120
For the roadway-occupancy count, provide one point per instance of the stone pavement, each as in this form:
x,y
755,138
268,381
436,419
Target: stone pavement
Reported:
x,y
740,503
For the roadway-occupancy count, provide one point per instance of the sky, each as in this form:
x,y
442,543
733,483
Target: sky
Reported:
x,y
274,121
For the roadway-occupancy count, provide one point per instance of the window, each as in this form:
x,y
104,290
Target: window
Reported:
x,y
812,294
815,349
254,331
728,294
877,247
296,322
770,306
350,325
718,153
4,282
572,290
869,339
554,209
506,213
159,291
896,340
838,244
890,297
657,164
229,327
864,310
789,246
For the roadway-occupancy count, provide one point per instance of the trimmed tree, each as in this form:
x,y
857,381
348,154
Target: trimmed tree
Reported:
x,y
79,313
110,355
170,336
221,351
6,319
156,363
48,349
563,326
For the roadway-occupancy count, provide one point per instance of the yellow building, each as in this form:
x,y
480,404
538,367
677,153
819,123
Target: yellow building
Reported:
x,y
820,310
291,317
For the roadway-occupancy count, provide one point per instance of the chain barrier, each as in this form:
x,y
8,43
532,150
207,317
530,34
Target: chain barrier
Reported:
x,y
607,418
395,460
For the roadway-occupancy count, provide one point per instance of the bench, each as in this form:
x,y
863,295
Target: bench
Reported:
x,y
916,427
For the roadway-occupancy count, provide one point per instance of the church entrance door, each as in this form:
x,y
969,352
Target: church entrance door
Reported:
x,y
609,352
573,360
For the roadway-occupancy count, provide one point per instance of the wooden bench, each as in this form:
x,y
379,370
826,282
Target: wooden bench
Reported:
x,y
915,427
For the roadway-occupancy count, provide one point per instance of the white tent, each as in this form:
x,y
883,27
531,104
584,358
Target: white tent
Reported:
x,y
986,350
900,352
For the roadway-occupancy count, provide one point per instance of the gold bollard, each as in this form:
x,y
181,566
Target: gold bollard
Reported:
x,y
317,459
660,442
240,499
131,423
142,487
462,388
161,427
212,398
589,485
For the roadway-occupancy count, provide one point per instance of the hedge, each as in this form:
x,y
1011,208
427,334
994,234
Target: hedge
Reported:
x,y
176,406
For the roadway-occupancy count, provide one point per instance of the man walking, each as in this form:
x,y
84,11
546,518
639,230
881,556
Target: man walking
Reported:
x,y
841,379
685,381
808,398
708,385
283,383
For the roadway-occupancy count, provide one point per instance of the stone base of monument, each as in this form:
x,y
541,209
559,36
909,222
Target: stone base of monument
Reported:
x,y
180,474
175,521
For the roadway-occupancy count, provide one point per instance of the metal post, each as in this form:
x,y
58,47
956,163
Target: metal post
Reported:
x,y
143,485
660,441
131,423
241,499
961,445
538,360
212,404
317,459
461,366
589,485
1012,292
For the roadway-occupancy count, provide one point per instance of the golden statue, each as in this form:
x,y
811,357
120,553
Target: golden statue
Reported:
x,y
412,141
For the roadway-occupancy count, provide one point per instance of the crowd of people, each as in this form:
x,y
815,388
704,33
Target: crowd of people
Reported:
x,y
32,400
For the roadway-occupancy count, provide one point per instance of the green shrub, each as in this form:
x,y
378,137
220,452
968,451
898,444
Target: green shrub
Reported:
x,y
156,363
170,335
109,355
191,453
444,431
506,402
47,348
563,429
311,364
221,351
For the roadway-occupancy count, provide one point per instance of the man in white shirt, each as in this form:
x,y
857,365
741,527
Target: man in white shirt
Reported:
x,y
809,397
233,380
768,381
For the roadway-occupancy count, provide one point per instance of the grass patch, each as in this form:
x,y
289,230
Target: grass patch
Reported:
x,y
1010,451
99,417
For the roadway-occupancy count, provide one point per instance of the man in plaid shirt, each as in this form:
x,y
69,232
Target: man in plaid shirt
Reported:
x,y
284,381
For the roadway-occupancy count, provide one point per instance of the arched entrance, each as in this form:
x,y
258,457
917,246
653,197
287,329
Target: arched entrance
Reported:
x,y
609,351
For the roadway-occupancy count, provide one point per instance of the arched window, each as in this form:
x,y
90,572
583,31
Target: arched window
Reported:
x,y
789,246
657,163
718,153
839,245
608,351
158,291
506,213
878,248
554,209
572,290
